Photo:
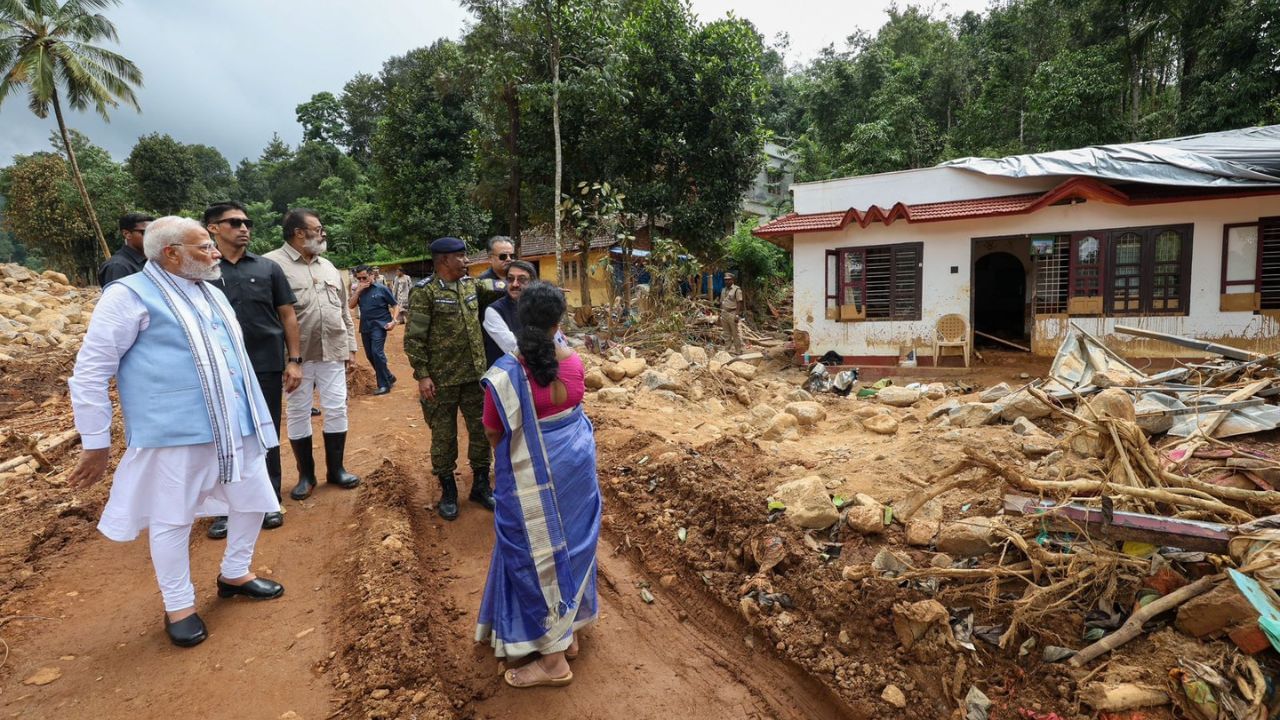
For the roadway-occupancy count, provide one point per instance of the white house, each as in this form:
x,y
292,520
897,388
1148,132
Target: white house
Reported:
x,y
772,183
1179,236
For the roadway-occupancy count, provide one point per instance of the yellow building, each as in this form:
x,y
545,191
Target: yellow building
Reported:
x,y
539,249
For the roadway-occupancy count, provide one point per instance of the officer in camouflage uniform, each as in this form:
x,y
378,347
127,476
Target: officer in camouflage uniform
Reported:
x,y
445,346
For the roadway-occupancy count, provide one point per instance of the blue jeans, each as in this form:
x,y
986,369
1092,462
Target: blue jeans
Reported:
x,y
374,339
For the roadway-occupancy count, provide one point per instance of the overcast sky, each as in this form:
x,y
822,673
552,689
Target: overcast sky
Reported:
x,y
229,73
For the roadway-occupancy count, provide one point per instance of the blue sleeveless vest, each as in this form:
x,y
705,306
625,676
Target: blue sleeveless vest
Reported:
x,y
160,395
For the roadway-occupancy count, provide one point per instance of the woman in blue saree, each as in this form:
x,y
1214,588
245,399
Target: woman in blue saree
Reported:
x,y
541,587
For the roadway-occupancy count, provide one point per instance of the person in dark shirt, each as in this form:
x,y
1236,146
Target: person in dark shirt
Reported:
x,y
260,294
129,258
376,318
501,252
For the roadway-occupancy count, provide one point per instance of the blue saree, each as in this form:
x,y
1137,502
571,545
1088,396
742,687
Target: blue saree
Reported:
x,y
542,576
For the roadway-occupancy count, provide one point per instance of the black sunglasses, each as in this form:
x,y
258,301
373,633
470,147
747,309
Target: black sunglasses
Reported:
x,y
506,256
235,223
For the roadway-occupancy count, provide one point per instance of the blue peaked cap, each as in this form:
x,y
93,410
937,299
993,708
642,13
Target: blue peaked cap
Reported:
x,y
444,245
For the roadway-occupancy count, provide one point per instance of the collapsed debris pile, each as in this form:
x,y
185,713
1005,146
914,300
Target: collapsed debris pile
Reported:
x,y
40,311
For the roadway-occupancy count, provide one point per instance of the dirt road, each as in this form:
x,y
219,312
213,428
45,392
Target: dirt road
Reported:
x,y
95,619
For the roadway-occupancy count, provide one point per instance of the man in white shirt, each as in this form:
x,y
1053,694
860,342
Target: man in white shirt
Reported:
x,y
500,322
197,428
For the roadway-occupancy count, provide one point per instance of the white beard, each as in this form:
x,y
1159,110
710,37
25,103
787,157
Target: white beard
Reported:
x,y
319,248
193,269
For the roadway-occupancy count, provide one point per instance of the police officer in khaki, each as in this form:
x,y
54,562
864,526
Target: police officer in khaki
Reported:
x,y
732,309
445,346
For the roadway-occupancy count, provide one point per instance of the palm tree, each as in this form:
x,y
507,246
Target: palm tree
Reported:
x,y
44,45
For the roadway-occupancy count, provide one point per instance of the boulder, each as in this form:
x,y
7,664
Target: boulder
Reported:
x,y
632,367
1214,611
923,525
866,519
613,395
808,413
613,371
677,362
1025,427
995,392
722,357
654,380
55,277
934,391
808,505
1039,444
867,410
694,354
17,272
1110,403
1022,404
594,380
746,371
881,424
971,415
743,396
782,426
799,395
894,696
943,408
969,537
761,413
898,396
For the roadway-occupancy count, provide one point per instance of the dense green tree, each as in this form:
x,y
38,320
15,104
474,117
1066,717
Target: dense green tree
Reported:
x,y
45,45
166,172
214,180
321,119
422,152
363,99
44,210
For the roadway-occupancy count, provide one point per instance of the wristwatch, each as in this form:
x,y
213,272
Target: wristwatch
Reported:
x,y
297,360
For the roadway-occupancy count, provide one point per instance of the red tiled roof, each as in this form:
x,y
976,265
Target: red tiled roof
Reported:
x,y
1078,188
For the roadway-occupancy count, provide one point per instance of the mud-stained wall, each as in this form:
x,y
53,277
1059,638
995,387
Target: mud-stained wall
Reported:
x,y
948,245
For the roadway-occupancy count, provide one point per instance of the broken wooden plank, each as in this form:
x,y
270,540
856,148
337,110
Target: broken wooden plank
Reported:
x,y
1193,343
1002,341
1160,531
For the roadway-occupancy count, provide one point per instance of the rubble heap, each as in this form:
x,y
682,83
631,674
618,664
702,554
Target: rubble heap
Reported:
x,y
40,311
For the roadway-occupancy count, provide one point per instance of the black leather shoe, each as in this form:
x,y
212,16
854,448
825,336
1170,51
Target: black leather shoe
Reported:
x,y
302,454
393,380
448,505
187,632
272,520
218,530
255,589
335,446
382,391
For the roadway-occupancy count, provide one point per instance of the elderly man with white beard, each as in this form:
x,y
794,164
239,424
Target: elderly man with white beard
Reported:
x,y
328,346
196,425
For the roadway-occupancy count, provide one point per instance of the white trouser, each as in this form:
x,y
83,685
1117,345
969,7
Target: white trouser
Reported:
x,y
172,561
330,378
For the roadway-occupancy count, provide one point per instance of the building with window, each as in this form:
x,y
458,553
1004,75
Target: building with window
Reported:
x,y
771,190
1179,236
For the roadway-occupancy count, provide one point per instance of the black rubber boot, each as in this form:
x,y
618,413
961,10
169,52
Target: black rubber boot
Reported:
x,y
481,493
448,506
335,445
306,468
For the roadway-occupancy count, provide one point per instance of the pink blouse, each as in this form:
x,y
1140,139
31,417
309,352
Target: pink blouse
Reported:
x,y
571,374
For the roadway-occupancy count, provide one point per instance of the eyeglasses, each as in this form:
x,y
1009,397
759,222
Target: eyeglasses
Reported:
x,y
506,256
236,223
517,279
202,247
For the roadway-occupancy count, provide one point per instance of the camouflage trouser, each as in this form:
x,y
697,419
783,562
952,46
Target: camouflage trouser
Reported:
x,y
441,415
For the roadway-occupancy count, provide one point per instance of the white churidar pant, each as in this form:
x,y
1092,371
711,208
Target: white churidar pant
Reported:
x,y
330,379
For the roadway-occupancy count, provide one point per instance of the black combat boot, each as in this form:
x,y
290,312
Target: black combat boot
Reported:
x,y
480,491
335,445
306,468
448,506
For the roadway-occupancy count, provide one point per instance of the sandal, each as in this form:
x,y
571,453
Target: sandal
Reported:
x,y
571,652
546,680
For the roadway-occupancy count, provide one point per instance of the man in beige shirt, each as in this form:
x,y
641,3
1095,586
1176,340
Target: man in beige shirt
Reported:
x,y
328,347
732,308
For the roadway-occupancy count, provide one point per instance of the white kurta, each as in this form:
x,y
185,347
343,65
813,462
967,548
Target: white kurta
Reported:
x,y
172,485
